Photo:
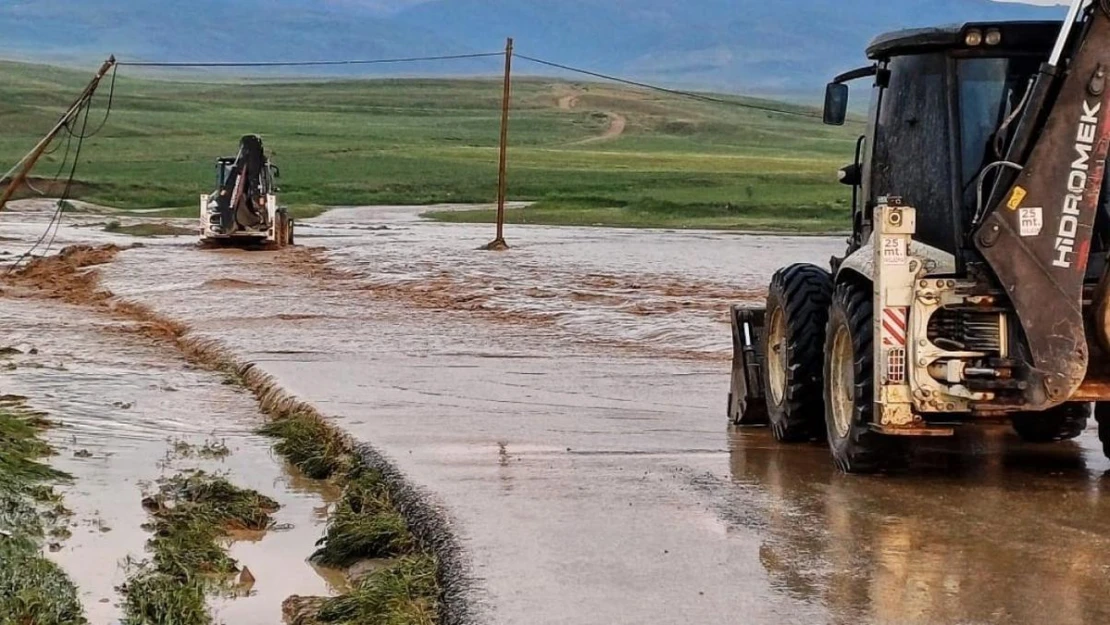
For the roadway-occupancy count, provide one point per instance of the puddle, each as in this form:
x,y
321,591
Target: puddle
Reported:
x,y
121,406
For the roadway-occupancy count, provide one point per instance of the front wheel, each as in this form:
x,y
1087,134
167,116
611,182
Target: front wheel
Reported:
x,y
281,228
849,383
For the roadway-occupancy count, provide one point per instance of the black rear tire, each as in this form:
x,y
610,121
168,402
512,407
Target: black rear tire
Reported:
x,y
280,232
798,299
1062,423
1102,415
849,384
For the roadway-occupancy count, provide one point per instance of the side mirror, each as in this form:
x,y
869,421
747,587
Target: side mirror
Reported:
x,y
276,170
836,104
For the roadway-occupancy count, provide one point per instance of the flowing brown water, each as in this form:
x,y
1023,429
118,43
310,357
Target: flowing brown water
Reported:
x,y
563,402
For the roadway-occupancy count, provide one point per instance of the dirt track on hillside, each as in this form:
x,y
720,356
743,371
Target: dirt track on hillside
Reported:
x,y
617,122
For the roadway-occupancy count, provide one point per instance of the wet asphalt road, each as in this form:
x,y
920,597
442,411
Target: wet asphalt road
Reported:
x,y
564,404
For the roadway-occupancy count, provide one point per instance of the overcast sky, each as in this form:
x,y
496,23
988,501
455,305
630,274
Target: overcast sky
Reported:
x,y
393,5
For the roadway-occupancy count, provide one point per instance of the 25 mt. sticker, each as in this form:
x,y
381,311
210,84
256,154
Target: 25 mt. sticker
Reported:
x,y
1030,222
894,251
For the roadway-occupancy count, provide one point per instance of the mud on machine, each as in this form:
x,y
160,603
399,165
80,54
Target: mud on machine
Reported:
x,y
975,285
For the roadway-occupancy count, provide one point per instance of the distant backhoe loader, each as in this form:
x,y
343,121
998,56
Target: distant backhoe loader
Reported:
x,y
244,209
975,286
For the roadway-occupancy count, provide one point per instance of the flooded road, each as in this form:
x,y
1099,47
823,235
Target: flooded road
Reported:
x,y
564,404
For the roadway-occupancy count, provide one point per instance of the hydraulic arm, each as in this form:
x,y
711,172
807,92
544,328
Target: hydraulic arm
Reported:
x,y
1037,237
241,198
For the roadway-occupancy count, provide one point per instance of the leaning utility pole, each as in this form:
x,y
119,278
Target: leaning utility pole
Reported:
x,y
502,169
18,174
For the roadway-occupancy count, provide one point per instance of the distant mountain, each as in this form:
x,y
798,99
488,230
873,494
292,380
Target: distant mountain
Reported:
x,y
729,45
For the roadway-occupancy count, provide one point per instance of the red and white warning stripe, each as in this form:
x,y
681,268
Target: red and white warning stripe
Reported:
x,y
894,326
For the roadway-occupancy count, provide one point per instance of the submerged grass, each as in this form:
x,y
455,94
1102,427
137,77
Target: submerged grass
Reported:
x,y
32,588
192,512
401,594
366,524
315,448
154,597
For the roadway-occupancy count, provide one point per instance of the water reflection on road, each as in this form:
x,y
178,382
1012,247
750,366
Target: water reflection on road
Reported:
x,y
985,529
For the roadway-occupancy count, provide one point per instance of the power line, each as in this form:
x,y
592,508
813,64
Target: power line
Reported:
x,y
678,92
413,59
55,223
107,110
64,200
61,168
453,57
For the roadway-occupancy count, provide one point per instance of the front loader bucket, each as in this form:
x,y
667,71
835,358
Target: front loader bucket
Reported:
x,y
746,403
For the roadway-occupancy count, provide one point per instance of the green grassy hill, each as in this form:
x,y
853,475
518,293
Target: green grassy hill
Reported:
x,y
677,162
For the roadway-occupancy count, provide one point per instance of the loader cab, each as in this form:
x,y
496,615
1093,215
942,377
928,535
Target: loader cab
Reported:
x,y
226,165
943,104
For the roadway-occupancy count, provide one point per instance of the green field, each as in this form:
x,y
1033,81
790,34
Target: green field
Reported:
x,y
678,163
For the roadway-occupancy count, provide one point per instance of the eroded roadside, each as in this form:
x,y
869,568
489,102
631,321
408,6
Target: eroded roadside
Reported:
x,y
128,414
373,563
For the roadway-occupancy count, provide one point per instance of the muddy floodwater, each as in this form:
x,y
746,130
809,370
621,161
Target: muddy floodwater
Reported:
x,y
563,404
127,413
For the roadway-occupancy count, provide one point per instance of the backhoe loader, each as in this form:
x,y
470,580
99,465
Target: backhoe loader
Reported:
x,y
244,210
975,285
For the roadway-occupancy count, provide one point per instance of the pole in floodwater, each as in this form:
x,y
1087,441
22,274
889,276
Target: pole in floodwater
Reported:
x,y
18,174
502,168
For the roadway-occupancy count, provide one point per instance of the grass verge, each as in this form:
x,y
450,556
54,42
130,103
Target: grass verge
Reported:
x,y
192,513
365,525
816,219
401,594
32,588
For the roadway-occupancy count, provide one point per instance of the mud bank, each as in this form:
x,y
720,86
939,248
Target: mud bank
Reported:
x,y
71,277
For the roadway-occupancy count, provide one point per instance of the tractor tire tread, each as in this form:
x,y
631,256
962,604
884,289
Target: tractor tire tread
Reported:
x,y
804,292
863,450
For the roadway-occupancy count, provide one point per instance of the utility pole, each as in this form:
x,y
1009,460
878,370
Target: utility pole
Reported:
x,y
18,174
502,170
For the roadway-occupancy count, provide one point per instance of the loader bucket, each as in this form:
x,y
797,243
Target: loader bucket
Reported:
x,y
746,403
